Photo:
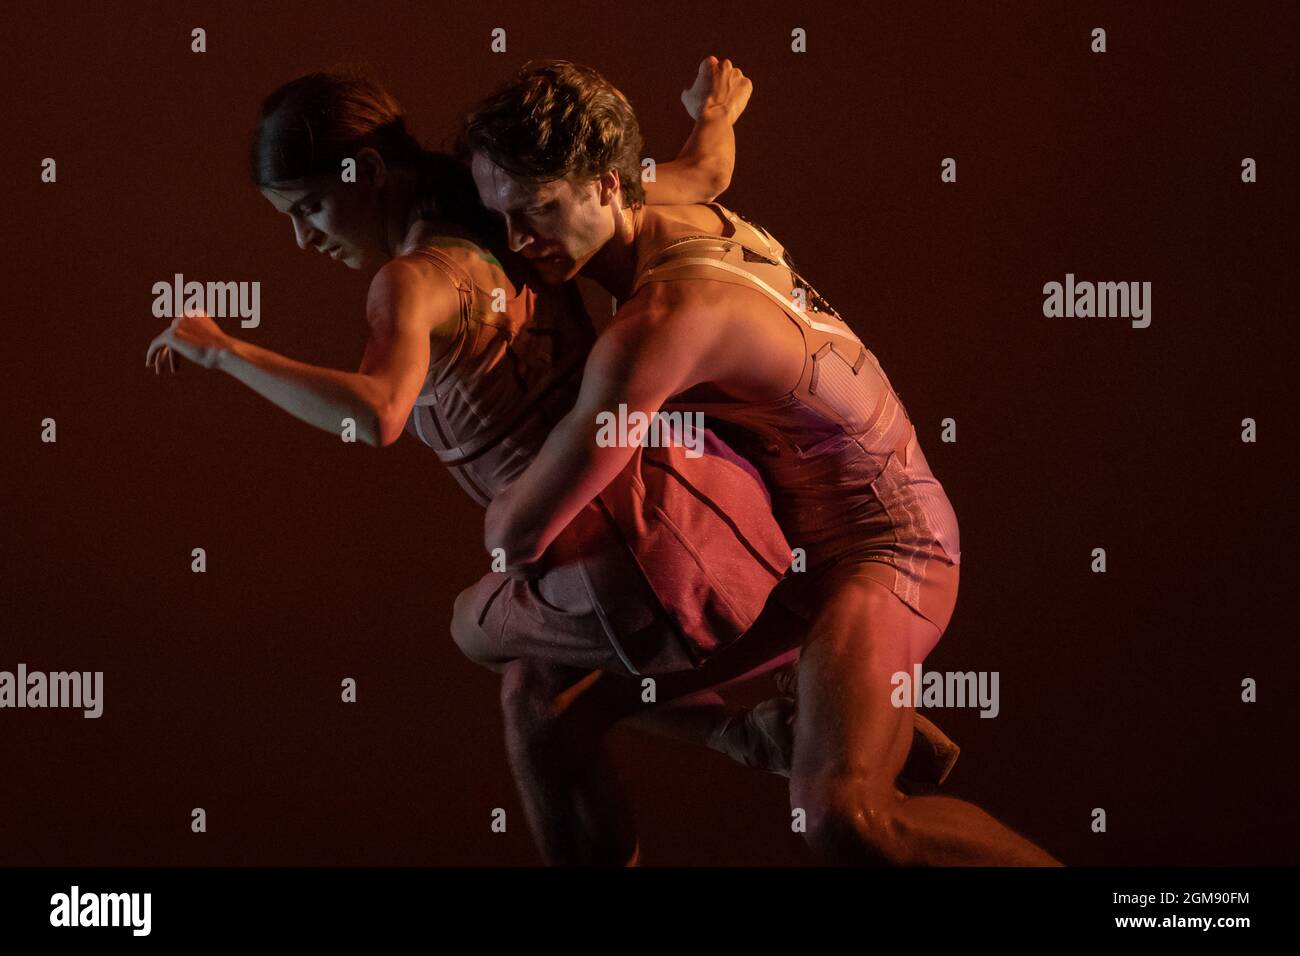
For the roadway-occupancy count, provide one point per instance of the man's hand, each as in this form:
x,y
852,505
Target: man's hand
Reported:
x,y
193,336
718,86
660,344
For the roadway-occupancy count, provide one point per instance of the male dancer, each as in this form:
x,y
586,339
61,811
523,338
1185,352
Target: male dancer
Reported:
x,y
713,317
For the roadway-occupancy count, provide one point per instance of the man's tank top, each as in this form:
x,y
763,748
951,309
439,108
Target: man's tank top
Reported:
x,y
839,452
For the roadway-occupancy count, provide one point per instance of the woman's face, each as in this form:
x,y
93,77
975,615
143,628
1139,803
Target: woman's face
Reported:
x,y
341,220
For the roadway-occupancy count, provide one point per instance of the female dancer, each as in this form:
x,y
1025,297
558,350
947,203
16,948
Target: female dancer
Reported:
x,y
476,364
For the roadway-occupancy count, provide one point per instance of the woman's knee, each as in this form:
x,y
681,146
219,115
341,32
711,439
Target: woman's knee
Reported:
x,y
528,702
546,704
466,632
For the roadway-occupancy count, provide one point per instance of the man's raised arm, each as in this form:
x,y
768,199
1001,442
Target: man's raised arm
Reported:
x,y
702,170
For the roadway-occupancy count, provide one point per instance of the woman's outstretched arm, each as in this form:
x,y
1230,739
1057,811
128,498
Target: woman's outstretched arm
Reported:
x,y
702,170
403,310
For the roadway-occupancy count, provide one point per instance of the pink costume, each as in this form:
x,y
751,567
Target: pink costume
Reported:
x,y
671,562
849,482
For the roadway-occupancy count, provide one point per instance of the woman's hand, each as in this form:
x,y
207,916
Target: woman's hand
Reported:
x,y
193,336
718,86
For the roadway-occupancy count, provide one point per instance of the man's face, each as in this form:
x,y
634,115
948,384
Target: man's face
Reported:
x,y
558,226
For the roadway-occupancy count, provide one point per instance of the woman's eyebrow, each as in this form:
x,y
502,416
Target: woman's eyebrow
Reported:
x,y
310,196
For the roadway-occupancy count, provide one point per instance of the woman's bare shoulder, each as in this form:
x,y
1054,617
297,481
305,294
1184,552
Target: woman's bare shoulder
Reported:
x,y
417,292
478,263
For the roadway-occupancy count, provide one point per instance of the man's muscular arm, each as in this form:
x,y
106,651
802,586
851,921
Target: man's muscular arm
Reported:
x,y
702,170
658,345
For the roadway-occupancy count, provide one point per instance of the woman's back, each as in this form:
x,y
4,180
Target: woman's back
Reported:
x,y
510,370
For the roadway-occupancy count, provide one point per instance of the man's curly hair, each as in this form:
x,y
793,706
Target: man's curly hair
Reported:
x,y
558,120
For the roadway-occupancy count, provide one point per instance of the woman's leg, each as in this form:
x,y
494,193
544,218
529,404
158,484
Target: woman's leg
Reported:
x,y
556,719
572,799
497,621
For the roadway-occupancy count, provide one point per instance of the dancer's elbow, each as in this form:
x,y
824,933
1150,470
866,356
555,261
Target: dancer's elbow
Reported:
x,y
717,180
383,428
520,553
518,546
710,179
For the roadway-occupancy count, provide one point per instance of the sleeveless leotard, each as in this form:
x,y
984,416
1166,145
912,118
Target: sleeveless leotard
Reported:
x,y
700,530
849,481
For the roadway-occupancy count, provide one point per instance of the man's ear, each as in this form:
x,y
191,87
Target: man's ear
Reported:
x,y
371,167
609,185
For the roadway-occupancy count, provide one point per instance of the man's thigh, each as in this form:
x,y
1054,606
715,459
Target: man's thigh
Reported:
x,y
847,726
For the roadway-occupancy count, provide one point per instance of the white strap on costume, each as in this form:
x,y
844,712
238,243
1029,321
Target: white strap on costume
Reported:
x,y
763,286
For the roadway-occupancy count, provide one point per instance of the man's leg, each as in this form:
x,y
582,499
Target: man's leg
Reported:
x,y
851,742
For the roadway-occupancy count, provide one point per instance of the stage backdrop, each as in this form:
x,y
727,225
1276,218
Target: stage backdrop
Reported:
x,y
930,166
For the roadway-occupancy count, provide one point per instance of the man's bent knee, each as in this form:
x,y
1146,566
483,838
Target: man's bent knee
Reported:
x,y
853,818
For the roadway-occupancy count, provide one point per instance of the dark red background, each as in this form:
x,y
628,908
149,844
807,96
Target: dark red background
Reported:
x,y
329,560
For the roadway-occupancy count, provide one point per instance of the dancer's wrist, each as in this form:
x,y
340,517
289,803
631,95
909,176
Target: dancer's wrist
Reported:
x,y
712,111
224,355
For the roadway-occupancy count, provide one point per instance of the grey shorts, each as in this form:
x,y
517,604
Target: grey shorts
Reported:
x,y
590,609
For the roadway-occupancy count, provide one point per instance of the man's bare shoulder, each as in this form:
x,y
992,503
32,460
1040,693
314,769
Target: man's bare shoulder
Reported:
x,y
691,315
668,299
659,332
671,222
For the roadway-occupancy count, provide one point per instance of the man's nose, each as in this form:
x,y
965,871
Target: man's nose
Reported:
x,y
517,238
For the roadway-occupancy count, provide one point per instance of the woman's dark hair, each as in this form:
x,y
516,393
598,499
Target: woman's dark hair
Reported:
x,y
311,124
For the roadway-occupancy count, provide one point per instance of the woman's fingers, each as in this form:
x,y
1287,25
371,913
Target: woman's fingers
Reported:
x,y
158,350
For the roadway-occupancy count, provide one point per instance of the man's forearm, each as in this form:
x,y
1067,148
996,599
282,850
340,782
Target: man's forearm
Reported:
x,y
525,518
702,170
569,472
318,396
711,147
